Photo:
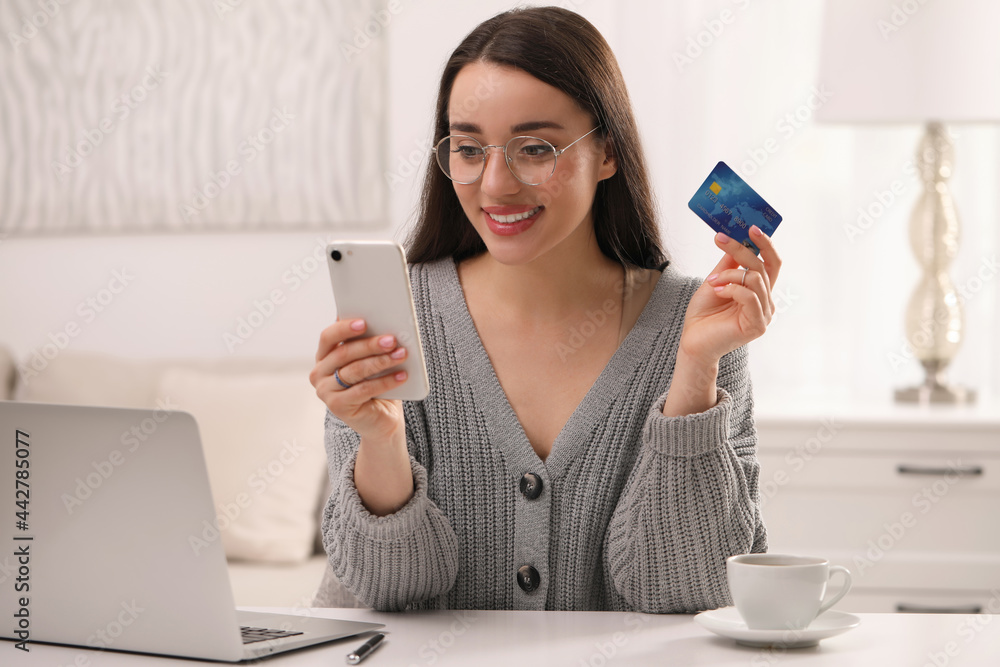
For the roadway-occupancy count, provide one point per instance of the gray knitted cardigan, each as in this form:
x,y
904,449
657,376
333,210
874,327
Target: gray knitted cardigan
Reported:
x,y
638,511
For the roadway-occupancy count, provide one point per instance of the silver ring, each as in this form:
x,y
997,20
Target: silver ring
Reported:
x,y
743,282
336,376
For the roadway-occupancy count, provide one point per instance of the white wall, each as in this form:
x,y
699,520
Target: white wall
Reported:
x,y
843,300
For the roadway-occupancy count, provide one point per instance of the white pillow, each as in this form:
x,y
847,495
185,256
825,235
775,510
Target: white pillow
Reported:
x,y
263,440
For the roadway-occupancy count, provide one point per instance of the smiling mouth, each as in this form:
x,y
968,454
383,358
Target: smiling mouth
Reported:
x,y
517,217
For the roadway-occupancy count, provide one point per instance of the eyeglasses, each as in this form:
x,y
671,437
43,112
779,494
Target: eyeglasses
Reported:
x,y
531,160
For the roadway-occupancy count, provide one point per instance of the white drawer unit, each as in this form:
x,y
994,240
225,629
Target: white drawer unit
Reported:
x,y
907,498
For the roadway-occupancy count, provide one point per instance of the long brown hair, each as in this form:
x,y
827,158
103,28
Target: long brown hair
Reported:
x,y
563,49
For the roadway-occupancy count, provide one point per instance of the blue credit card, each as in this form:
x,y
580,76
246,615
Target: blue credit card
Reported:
x,y
730,206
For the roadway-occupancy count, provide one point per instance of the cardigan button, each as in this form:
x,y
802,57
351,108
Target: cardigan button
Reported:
x,y
531,485
528,578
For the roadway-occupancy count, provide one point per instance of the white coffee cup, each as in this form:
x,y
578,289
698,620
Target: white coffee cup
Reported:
x,y
782,592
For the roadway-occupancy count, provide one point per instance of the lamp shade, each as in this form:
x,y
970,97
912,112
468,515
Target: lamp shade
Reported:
x,y
910,61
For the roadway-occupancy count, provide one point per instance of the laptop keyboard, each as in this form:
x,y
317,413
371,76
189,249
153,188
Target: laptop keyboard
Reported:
x,y
251,635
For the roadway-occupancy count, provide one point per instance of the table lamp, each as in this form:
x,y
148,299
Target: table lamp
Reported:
x,y
930,62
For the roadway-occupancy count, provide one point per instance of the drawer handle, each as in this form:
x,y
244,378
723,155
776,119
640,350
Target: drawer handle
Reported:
x,y
939,471
906,608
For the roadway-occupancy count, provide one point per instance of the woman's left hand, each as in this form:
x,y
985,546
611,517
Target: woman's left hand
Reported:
x,y
733,306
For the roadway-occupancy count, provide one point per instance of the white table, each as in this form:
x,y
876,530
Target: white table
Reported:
x,y
594,639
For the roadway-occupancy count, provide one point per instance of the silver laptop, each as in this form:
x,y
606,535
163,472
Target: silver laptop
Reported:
x,y
104,540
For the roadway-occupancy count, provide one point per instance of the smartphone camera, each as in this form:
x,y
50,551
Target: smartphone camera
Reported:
x,y
335,255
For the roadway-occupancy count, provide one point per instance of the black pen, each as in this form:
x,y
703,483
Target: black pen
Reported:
x,y
365,649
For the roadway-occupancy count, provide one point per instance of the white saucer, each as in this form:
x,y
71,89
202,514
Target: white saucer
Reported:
x,y
727,623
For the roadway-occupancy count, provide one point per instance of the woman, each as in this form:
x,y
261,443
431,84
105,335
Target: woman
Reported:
x,y
588,440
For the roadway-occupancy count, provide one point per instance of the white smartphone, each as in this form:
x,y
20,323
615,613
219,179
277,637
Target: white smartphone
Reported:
x,y
370,281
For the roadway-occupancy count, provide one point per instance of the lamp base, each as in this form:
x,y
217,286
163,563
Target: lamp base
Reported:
x,y
934,323
933,391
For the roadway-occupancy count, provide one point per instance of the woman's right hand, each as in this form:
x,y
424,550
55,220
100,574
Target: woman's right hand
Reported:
x,y
355,359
